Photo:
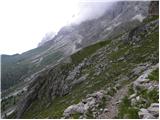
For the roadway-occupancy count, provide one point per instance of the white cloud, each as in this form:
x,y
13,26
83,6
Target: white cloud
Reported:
x,y
23,23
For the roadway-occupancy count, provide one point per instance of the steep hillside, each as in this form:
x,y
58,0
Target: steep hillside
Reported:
x,y
101,68
18,68
93,77
120,18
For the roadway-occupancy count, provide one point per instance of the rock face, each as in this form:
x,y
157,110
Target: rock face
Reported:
x,y
121,14
144,114
55,85
46,38
50,83
89,103
135,34
154,8
143,82
150,113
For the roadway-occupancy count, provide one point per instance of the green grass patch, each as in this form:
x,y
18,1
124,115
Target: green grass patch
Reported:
x,y
154,75
126,110
151,96
151,18
51,58
80,55
89,114
76,115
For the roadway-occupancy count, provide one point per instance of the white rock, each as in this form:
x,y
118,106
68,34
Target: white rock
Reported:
x,y
148,116
92,101
106,110
133,101
132,96
80,108
117,102
101,109
144,114
154,109
74,108
139,17
69,111
81,117
138,98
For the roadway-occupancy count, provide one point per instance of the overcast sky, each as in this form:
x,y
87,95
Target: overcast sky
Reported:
x,y
23,23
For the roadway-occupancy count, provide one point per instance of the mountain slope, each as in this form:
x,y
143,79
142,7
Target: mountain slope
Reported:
x,y
117,20
79,73
108,67
16,68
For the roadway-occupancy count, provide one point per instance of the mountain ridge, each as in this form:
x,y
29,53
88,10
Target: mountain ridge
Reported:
x,y
86,62
73,38
65,83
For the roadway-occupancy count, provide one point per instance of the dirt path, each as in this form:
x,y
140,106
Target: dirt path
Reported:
x,y
112,106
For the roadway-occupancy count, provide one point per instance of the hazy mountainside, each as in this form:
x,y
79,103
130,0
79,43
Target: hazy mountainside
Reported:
x,y
17,68
101,68
120,18
106,67
47,37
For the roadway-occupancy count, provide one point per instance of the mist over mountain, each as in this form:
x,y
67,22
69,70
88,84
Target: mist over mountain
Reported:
x,y
113,20
104,64
91,10
47,37
86,10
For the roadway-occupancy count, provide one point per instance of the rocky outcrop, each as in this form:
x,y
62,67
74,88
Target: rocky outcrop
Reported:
x,y
116,20
136,34
151,112
55,85
91,102
154,8
47,37
144,84
52,82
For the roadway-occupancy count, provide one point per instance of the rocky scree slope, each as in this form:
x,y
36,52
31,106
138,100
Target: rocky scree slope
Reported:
x,y
141,100
94,75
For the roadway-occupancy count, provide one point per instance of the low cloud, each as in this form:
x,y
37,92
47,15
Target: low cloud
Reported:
x,y
90,10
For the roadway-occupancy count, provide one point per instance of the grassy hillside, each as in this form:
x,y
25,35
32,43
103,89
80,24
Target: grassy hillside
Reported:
x,y
15,68
117,58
